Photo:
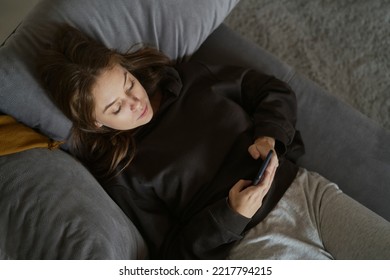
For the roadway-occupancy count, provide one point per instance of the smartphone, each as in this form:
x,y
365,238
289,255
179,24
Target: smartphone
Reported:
x,y
262,169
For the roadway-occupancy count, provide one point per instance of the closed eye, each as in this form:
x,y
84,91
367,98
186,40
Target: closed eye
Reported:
x,y
117,111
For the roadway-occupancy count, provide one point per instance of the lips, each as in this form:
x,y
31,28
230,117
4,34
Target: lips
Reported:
x,y
144,112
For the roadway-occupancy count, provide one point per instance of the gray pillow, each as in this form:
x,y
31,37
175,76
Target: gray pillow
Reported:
x,y
177,27
52,208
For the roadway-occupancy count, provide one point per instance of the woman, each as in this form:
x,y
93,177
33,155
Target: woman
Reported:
x,y
177,147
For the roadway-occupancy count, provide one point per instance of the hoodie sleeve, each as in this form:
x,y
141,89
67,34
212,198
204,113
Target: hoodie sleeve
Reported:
x,y
270,102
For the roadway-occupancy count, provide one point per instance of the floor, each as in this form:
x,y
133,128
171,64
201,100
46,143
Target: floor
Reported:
x,y
11,13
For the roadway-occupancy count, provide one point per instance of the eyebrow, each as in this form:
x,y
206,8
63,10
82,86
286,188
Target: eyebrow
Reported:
x,y
113,102
125,74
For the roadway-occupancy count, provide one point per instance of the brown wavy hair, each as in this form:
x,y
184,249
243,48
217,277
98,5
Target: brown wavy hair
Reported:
x,y
69,69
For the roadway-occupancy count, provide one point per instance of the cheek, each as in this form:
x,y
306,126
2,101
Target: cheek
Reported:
x,y
125,121
141,92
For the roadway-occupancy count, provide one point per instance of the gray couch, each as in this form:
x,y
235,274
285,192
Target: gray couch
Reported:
x,y
52,208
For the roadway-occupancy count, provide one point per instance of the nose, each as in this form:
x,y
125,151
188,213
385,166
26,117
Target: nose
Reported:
x,y
133,102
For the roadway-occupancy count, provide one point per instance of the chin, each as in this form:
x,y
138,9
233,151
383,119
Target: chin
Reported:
x,y
148,118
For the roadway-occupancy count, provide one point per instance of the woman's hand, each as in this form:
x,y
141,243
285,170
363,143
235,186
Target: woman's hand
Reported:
x,y
246,199
260,149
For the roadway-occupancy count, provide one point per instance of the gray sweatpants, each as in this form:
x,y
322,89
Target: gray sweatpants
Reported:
x,y
316,220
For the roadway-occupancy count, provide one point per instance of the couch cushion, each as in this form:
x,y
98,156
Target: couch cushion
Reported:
x,y
52,208
177,27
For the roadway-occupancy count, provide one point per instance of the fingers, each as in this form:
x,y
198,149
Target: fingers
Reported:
x,y
268,178
246,199
274,161
261,147
261,152
254,152
240,185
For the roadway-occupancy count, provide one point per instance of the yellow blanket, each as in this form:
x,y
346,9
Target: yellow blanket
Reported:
x,y
16,137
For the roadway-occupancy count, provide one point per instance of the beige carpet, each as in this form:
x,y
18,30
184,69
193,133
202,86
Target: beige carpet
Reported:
x,y
342,45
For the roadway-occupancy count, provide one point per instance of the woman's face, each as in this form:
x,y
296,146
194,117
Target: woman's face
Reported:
x,y
121,101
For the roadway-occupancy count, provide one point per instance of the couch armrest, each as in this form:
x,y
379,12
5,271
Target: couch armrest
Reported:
x,y
52,208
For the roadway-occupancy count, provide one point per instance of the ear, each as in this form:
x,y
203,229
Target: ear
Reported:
x,y
98,124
